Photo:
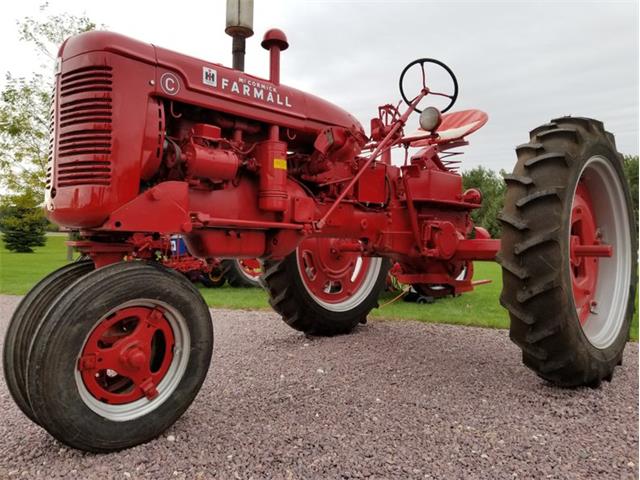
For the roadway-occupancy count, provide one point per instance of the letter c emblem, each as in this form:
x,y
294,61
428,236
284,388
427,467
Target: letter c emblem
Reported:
x,y
170,83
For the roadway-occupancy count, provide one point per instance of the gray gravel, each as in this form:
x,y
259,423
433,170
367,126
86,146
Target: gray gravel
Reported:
x,y
394,400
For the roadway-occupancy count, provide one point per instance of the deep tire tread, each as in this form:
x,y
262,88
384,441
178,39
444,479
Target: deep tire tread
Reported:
x,y
521,179
512,221
535,289
539,195
568,132
524,316
546,157
515,269
536,240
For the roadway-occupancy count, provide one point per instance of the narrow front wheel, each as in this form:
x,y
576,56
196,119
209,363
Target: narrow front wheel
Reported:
x,y
119,357
25,322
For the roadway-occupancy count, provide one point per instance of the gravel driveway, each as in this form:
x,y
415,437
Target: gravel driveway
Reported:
x,y
394,400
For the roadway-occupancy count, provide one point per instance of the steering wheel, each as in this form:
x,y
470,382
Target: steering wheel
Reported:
x,y
421,62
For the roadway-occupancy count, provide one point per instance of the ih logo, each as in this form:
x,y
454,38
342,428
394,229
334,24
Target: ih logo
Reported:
x,y
209,76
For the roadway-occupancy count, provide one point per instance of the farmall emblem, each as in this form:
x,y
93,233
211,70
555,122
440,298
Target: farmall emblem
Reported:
x,y
245,87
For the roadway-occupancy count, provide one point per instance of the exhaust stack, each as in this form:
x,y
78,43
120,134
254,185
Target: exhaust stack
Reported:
x,y
239,27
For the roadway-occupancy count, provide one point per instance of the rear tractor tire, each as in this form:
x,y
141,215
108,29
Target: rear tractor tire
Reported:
x,y
568,208
323,293
119,356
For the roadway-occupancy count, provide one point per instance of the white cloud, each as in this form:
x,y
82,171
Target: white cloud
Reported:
x,y
522,62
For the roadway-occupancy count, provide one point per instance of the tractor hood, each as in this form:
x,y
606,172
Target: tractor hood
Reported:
x,y
211,85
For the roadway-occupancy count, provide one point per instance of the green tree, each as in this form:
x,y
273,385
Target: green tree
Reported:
x,y
24,129
492,187
22,225
631,172
25,103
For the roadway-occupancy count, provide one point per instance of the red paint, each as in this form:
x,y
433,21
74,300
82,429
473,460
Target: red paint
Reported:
x,y
330,272
585,250
127,355
372,185
271,156
454,126
274,40
251,266
204,159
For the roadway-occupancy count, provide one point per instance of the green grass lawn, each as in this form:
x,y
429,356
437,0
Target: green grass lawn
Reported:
x,y
20,271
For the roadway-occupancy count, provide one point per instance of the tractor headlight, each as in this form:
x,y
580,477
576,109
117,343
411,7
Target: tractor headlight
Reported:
x,y
430,119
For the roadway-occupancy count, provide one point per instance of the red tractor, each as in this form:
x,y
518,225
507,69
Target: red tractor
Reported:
x,y
105,354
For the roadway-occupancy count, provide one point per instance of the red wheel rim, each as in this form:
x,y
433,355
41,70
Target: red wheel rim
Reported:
x,y
251,267
127,355
601,254
331,272
585,250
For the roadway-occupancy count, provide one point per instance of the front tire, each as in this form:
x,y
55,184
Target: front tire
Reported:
x,y
320,293
119,357
24,323
570,312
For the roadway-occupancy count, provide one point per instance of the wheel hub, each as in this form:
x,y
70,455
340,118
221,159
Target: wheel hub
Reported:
x,y
134,358
585,249
331,269
127,355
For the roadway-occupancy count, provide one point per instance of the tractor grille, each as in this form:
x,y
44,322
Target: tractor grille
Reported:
x,y
84,127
